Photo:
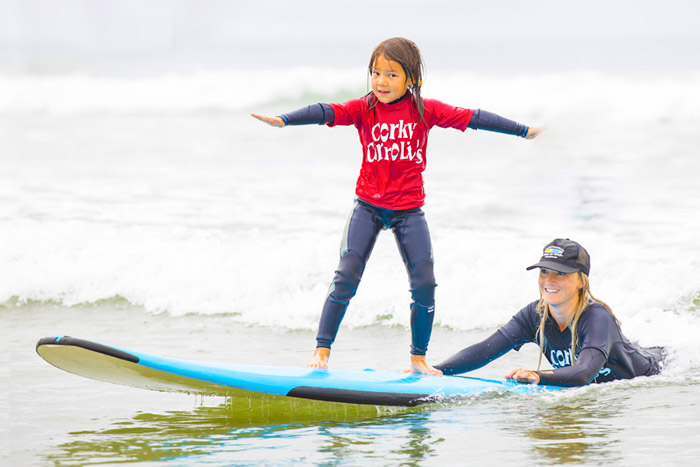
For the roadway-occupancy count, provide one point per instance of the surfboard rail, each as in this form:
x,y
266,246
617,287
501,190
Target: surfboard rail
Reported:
x,y
380,388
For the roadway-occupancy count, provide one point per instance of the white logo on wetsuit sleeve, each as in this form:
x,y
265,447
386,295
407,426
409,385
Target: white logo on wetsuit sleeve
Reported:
x,y
562,358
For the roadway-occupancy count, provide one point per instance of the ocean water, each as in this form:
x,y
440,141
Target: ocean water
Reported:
x,y
141,206
153,213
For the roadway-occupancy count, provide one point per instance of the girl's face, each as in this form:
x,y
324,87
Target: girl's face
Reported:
x,y
559,289
388,80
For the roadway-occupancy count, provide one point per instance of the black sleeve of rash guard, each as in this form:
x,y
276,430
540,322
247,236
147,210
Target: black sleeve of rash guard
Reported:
x,y
483,120
477,355
316,114
587,366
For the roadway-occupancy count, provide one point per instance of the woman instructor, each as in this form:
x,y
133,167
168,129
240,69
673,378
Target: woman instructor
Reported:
x,y
577,333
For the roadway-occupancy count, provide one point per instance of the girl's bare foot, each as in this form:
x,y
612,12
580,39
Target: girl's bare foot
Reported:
x,y
320,360
419,365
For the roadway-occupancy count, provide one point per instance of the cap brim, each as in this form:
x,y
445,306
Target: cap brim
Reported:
x,y
553,266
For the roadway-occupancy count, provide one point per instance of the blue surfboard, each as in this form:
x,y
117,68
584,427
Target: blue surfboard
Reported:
x,y
380,388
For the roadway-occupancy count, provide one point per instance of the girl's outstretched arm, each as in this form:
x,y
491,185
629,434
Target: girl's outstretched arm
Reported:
x,y
483,120
316,114
276,122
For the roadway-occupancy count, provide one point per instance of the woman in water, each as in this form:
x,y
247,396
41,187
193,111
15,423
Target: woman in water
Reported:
x,y
577,333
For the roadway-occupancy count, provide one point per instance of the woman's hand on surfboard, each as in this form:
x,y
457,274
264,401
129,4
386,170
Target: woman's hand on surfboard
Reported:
x,y
419,365
523,376
277,122
320,360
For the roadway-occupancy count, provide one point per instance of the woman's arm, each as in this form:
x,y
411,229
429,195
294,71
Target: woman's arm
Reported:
x,y
587,366
477,355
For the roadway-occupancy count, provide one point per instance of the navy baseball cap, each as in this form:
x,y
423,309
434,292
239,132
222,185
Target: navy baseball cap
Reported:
x,y
564,255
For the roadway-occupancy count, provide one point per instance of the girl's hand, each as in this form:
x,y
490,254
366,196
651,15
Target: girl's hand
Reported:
x,y
524,376
277,122
534,131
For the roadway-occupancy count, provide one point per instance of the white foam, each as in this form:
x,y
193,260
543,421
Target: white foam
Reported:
x,y
206,91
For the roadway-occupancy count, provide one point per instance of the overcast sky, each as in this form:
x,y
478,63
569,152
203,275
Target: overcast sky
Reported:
x,y
248,33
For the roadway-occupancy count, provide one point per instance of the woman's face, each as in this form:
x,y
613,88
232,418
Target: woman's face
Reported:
x,y
559,289
388,80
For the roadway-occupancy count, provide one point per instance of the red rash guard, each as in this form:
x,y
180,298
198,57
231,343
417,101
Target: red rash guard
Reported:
x,y
394,141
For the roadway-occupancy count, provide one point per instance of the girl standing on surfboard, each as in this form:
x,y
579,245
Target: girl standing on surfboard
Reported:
x,y
393,121
577,333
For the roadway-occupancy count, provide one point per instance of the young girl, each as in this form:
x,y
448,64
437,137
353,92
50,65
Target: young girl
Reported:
x,y
393,122
578,334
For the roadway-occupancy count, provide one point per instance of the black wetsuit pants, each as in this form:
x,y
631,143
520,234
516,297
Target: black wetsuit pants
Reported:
x,y
413,239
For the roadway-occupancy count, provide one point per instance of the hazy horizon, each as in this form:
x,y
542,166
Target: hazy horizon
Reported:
x,y
156,36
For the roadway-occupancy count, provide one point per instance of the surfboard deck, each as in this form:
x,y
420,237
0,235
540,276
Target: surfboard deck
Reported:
x,y
380,388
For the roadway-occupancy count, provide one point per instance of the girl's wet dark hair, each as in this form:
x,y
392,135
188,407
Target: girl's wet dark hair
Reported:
x,y
406,54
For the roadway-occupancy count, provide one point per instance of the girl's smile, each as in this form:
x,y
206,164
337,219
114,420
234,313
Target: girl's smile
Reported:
x,y
389,81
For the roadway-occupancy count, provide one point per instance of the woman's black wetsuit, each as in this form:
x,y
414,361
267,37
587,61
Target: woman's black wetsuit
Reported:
x,y
603,353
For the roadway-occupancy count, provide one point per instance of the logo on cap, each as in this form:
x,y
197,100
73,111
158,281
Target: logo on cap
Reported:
x,y
553,252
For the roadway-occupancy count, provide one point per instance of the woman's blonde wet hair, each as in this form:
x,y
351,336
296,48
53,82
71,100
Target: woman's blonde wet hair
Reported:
x,y
585,298
406,54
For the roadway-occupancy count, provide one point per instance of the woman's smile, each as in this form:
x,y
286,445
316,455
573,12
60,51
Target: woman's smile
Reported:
x,y
558,288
